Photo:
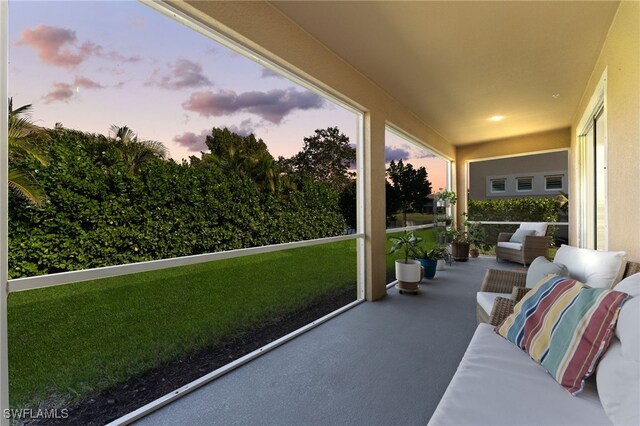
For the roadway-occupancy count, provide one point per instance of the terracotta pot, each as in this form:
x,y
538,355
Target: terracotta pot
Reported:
x,y
474,253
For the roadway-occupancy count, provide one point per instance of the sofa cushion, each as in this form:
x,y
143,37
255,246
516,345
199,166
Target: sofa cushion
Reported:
x,y
565,326
630,285
486,299
627,329
497,384
539,227
540,268
510,245
518,236
618,379
602,269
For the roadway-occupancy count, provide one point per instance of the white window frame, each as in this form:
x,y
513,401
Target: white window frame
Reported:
x,y
493,190
585,218
522,178
546,184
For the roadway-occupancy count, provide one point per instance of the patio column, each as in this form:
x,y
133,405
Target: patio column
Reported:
x,y
461,178
374,207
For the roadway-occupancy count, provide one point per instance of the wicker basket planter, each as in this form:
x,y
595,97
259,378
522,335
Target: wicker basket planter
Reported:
x,y
460,251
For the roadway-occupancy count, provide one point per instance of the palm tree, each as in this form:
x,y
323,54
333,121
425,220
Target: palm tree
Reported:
x,y
135,152
22,144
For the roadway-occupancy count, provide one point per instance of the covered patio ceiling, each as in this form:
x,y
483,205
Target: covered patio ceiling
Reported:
x,y
456,64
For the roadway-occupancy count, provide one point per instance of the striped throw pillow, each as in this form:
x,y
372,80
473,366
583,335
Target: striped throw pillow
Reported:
x,y
565,326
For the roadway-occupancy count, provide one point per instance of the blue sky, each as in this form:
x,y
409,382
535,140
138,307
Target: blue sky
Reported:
x,y
90,64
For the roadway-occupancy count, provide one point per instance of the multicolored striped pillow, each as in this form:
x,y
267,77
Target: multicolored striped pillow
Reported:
x,y
565,326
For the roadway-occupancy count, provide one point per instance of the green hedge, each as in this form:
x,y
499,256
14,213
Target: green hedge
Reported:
x,y
99,214
516,210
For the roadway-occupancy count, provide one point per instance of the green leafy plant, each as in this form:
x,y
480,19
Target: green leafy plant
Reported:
x,y
477,236
446,195
407,242
438,253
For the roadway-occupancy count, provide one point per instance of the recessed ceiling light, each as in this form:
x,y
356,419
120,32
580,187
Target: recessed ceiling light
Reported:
x,y
497,118
555,95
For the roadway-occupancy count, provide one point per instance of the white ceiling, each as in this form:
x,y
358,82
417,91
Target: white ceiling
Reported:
x,y
455,64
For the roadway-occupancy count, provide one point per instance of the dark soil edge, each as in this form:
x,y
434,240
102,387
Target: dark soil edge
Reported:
x,y
151,385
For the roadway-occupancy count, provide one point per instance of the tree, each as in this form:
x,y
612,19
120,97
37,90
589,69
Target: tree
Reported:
x,y
23,144
135,152
409,188
326,156
245,157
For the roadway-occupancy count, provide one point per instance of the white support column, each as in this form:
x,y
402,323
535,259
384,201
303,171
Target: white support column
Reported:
x,y
374,212
4,210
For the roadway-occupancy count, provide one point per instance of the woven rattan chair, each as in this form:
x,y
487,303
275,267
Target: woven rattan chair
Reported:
x,y
513,281
532,247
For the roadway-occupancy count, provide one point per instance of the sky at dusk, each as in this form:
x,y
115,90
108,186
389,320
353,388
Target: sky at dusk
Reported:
x,y
89,65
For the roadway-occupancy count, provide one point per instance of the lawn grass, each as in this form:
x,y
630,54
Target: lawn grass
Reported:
x,y
70,341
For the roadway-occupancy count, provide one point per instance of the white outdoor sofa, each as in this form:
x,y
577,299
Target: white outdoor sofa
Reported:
x,y
496,383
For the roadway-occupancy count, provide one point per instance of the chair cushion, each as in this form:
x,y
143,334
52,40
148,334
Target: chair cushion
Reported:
x,y
565,326
486,299
602,269
618,379
510,245
539,227
518,236
540,268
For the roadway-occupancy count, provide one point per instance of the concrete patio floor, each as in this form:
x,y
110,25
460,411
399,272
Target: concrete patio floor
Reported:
x,y
381,363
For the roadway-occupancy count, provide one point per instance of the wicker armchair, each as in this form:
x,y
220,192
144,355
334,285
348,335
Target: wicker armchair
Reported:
x,y
532,247
498,282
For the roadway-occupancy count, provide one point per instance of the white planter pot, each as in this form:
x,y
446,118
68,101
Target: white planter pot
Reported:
x,y
410,272
441,265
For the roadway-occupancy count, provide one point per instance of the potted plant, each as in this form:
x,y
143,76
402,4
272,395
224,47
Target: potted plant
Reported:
x,y
440,254
460,246
409,272
429,261
477,238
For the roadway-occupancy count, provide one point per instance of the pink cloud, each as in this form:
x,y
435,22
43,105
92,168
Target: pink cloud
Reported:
x,y
87,83
61,92
53,45
271,106
193,142
57,47
183,74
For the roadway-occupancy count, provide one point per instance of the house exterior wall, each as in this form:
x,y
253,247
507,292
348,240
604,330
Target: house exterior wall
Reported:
x,y
538,167
552,140
621,58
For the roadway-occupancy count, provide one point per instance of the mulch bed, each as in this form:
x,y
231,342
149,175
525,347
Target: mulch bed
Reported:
x,y
138,391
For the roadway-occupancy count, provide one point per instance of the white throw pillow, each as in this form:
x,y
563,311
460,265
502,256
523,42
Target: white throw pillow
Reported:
x,y
618,380
540,268
601,269
630,285
539,227
518,236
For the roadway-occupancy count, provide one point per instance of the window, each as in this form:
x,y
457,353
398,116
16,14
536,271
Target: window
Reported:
x,y
498,185
524,184
553,183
